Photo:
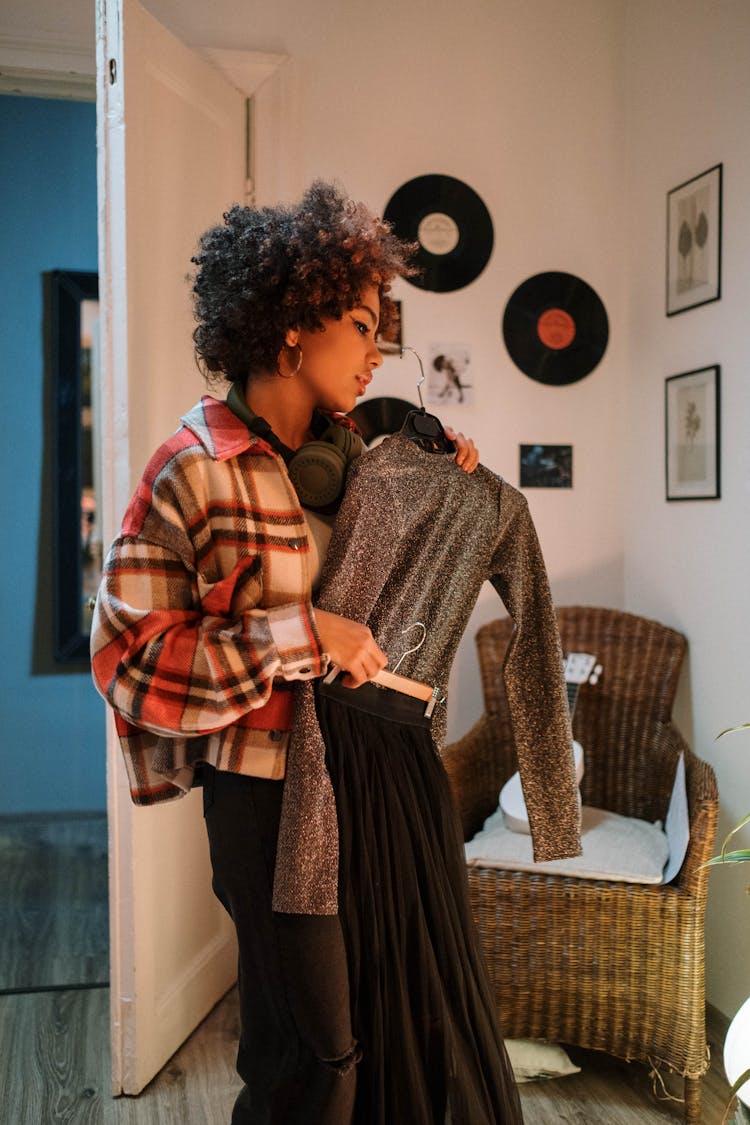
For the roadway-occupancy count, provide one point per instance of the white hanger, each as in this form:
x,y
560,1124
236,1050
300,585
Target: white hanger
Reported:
x,y
417,646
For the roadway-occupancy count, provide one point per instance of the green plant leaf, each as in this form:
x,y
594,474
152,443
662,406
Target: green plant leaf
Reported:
x,y
741,824
733,730
732,832
742,856
740,1082
743,1078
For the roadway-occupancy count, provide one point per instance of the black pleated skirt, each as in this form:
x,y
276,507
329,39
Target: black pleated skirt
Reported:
x,y
422,1007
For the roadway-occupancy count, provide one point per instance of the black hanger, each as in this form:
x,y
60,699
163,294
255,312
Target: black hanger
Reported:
x,y
424,429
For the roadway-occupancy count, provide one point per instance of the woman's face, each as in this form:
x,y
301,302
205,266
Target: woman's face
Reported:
x,y
338,362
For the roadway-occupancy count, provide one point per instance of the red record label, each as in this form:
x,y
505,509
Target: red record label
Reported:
x,y
556,329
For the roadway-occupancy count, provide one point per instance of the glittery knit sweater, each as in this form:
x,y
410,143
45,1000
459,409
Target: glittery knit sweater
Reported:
x,y
414,540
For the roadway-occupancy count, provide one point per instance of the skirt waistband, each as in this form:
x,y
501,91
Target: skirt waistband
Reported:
x,y
379,701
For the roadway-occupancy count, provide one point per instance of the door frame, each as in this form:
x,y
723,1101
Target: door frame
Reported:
x,y
268,85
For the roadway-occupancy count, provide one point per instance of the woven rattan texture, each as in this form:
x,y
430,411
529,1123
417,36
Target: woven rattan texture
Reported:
x,y
611,966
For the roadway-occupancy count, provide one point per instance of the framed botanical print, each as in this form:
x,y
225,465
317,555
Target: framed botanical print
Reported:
x,y
694,242
692,435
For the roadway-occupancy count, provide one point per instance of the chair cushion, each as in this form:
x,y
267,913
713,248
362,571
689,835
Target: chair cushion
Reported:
x,y
532,1059
615,847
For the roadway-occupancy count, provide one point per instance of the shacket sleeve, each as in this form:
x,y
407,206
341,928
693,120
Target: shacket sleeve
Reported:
x,y
175,662
172,653
535,685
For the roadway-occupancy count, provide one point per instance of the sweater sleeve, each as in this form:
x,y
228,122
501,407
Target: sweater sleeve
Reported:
x,y
535,685
174,658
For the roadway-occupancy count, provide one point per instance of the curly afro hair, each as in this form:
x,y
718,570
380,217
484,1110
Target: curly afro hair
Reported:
x,y
269,269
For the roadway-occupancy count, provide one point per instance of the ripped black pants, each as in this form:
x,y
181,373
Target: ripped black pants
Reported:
x,y
296,1053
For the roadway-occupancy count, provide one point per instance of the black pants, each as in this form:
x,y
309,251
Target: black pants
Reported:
x,y
296,1053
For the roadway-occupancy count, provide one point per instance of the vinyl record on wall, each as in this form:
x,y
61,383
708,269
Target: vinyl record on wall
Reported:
x,y
378,417
452,226
555,328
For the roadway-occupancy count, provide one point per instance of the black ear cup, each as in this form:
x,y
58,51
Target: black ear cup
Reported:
x,y
318,469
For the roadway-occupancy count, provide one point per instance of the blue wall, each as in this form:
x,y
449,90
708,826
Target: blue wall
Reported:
x,y
52,724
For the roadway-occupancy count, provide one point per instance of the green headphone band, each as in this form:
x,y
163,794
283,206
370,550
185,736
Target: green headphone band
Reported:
x,y
318,468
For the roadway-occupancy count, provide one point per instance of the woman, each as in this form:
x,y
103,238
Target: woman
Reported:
x,y
205,621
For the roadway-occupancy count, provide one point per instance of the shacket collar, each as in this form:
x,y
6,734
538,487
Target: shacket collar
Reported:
x,y
221,433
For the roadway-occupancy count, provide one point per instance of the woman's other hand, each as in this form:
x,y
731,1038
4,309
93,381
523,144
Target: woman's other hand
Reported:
x,y
467,454
350,645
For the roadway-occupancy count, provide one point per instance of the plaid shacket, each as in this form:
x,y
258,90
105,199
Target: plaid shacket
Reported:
x,y
204,617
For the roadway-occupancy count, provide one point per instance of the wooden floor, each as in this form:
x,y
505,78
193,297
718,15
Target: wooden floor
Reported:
x,y
54,925
54,1070
54,1044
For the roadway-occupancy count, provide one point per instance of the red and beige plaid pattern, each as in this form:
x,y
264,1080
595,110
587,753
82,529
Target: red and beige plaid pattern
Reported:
x,y
204,618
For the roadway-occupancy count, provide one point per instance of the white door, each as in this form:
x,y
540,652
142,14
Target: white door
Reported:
x,y
172,158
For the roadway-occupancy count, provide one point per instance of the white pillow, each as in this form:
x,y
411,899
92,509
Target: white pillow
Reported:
x,y
532,1059
615,847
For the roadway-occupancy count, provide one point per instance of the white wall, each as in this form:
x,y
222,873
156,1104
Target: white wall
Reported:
x,y
524,102
686,563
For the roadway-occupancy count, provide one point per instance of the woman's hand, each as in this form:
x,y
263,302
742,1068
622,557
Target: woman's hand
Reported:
x,y
350,645
467,454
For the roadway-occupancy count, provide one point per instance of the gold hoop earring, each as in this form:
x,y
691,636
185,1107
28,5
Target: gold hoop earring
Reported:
x,y
290,374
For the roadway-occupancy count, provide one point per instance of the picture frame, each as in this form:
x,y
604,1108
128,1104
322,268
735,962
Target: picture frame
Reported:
x,y
694,218
391,341
449,379
74,547
692,434
546,466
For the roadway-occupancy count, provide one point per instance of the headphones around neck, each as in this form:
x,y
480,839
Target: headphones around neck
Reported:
x,y
318,468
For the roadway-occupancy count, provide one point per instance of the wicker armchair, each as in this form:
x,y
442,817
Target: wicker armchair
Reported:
x,y
616,967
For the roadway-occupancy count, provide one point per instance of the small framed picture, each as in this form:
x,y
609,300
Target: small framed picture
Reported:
x,y
694,242
693,435
391,339
546,466
449,376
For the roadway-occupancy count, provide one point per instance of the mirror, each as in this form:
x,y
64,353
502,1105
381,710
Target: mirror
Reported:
x,y
71,299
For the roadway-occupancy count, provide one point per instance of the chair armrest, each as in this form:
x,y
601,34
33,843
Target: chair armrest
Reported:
x,y
666,745
703,811
478,765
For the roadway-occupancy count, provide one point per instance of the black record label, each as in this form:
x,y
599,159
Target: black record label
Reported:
x,y
378,417
452,226
555,328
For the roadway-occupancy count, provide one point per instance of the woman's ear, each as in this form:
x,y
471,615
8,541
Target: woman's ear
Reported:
x,y
291,337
